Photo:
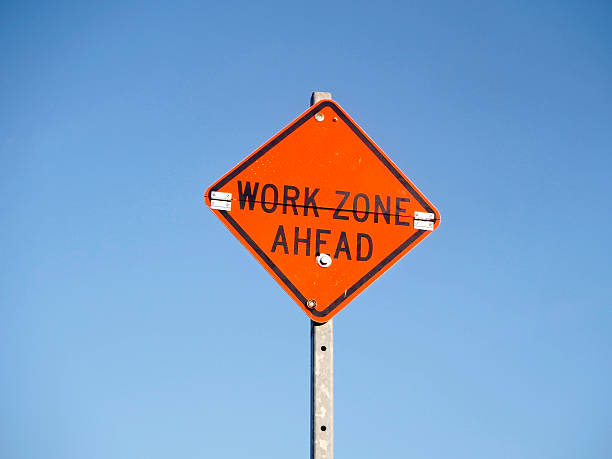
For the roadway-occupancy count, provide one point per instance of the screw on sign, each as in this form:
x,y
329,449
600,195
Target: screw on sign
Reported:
x,y
323,209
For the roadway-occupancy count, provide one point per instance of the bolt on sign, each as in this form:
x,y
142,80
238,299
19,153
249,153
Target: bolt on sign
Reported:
x,y
323,209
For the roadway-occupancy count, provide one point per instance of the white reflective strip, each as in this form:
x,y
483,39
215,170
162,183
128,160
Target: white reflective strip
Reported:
x,y
220,205
221,196
424,216
423,225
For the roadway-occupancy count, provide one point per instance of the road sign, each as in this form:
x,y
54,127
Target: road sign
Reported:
x,y
323,209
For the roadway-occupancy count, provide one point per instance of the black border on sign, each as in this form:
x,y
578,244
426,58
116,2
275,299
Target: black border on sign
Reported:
x,y
396,173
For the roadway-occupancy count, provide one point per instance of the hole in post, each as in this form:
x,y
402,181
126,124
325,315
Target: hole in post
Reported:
x,y
323,348
323,428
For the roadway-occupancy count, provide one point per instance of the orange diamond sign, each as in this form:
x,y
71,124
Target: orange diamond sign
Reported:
x,y
323,209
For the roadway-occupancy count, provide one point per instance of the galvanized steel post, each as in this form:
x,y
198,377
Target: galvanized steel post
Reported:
x,y
321,374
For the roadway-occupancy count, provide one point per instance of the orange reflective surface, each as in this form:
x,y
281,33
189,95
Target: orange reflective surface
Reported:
x,y
321,186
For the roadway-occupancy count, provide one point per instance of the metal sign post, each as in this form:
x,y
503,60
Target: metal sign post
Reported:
x,y
322,390
321,374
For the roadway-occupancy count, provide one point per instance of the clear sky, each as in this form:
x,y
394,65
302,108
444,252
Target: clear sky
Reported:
x,y
130,315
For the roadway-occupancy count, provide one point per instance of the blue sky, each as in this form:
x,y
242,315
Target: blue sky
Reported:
x,y
130,315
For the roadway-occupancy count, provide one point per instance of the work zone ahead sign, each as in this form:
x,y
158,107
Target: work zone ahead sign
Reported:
x,y
323,209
